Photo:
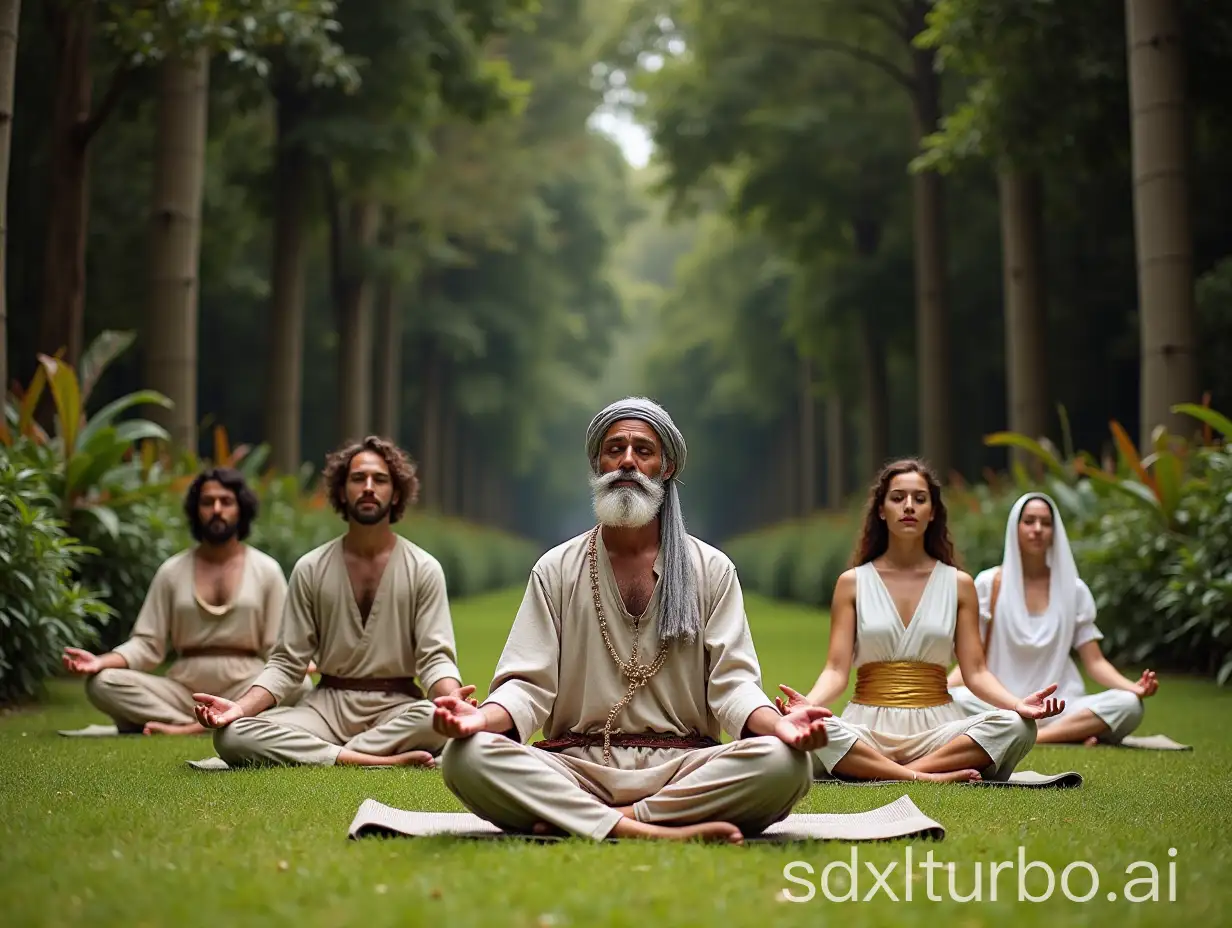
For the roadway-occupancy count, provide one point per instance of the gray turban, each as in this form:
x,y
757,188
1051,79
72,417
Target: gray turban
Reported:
x,y
679,610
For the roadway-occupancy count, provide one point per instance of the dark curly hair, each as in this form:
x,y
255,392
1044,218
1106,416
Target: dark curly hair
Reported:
x,y
875,538
233,480
402,472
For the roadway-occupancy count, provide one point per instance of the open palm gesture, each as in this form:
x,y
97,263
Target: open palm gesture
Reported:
x,y
80,662
456,717
216,712
1147,684
803,729
1041,705
794,700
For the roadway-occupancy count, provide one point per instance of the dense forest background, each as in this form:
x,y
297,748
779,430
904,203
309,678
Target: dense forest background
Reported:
x,y
869,228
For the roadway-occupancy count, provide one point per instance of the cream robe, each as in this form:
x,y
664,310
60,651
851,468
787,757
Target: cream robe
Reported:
x,y
1029,665
408,633
172,619
902,734
556,674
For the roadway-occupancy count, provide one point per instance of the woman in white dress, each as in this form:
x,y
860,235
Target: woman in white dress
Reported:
x,y
899,616
1035,610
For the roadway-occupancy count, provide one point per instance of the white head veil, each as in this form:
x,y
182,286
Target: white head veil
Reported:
x,y
1012,625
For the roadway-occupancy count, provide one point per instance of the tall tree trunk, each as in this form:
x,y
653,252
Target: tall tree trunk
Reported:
x,y
788,505
808,439
876,394
64,258
932,310
354,312
10,15
447,470
179,179
1162,224
836,452
1026,319
430,434
388,388
292,181
872,346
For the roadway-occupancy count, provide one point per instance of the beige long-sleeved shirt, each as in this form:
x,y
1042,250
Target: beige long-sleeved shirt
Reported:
x,y
409,631
557,674
171,620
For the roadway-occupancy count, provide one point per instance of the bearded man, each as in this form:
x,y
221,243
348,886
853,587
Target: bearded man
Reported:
x,y
372,607
632,652
217,606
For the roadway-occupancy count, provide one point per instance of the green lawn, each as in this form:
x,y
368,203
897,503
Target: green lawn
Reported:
x,y
122,832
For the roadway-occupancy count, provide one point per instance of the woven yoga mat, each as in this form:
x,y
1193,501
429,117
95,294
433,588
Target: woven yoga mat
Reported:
x,y
91,731
1028,779
898,819
1151,743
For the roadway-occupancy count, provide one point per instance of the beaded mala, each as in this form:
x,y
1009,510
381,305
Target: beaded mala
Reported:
x,y
637,674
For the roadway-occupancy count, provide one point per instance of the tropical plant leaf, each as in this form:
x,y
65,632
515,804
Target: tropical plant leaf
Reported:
x,y
1066,496
103,418
254,460
74,473
222,447
108,346
1129,454
29,402
149,452
106,517
135,430
1030,445
1224,672
1169,475
1220,423
1067,434
62,380
1130,488
107,460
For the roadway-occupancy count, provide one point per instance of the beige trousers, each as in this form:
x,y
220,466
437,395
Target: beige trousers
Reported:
x,y
1005,736
132,697
1120,710
325,722
751,783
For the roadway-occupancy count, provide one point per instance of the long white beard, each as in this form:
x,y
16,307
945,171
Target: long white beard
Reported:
x,y
626,507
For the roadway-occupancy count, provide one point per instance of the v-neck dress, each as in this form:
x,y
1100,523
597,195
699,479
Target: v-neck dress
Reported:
x,y
904,734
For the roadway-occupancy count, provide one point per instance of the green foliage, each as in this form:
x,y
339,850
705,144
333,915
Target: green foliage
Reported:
x,y
1044,80
244,30
110,496
42,607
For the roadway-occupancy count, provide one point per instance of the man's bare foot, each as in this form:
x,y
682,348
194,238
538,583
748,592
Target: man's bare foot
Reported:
x,y
1091,742
413,759
952,776
165,728
709,832
351,758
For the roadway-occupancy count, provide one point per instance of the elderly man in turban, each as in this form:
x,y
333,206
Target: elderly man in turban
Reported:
x,y
631,652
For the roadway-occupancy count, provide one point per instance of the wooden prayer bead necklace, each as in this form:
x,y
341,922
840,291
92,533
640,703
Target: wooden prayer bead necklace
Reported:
x,y
637,674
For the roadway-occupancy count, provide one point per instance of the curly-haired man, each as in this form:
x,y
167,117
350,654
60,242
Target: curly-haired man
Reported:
x,y
372,607
217,606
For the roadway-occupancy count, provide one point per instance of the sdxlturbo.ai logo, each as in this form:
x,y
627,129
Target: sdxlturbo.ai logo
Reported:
x,y
1033,880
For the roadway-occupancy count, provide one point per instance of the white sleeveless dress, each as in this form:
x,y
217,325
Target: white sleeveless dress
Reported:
x,y
904,735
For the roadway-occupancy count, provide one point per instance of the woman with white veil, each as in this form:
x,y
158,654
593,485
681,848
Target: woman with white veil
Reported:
x,y
1035,610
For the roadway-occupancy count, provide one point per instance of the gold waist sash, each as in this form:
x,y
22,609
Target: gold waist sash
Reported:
x,y
901,685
